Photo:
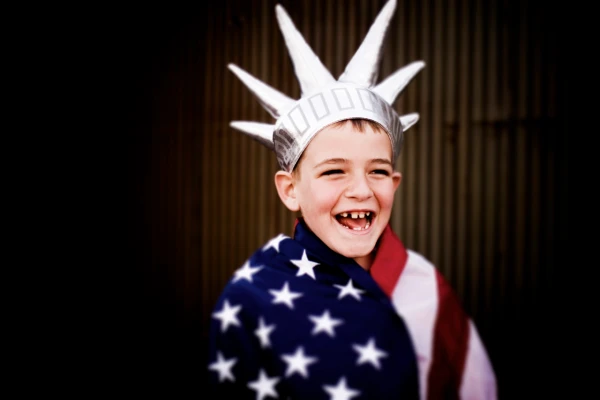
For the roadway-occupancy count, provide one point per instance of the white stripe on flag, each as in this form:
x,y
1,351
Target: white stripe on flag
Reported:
x,y
415,297
479,381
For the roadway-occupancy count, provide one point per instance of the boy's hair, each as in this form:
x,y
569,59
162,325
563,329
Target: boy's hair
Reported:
x,y
360,124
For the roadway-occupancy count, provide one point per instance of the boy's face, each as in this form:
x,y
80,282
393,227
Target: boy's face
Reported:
x,y
344,187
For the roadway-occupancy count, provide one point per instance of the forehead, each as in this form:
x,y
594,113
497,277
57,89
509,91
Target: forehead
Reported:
x,y
349,142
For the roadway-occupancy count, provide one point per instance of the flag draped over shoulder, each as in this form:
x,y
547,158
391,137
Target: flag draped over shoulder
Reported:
x,y
453,362
300,321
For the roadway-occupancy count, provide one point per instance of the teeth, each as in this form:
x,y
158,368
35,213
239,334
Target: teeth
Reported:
x,y
359,228
355,215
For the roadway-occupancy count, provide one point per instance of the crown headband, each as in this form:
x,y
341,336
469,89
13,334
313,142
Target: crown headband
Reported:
x,y
325,100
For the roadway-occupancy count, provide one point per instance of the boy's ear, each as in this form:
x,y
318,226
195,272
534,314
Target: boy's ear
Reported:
x,y
285,184
396,178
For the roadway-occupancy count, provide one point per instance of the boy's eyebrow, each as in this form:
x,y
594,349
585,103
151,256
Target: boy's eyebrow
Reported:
x,y
381,161
344,161
332,161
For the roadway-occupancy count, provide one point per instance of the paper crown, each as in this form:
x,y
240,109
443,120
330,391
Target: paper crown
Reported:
x,y
323,99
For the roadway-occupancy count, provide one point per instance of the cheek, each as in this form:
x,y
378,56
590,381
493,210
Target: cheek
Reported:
x,y
385,196
325,200
323,197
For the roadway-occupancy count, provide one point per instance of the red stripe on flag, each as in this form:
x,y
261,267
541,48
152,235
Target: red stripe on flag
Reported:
x,y
450,341
389,261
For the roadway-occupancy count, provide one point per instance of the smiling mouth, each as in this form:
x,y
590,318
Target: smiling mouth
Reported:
x,y
356,220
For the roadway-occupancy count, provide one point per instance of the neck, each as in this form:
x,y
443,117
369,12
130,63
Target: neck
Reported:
x,y
365,261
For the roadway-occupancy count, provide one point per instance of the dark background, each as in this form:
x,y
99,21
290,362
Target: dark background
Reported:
x,y
156,58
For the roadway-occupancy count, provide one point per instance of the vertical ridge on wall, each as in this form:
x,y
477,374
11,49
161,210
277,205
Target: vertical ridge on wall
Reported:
x,y
236,182
262,188
450,139
397,60
409,187
475,141
219,235
208,274
502,177
223,171
462,199
423,174
245,178
435,64
488,156
252,63
520,136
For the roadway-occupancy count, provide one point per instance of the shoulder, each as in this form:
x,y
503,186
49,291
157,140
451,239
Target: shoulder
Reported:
x,y
418,261
420,265
425,277
422,282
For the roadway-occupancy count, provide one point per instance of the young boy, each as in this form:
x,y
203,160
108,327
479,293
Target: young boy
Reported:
x,y
341,309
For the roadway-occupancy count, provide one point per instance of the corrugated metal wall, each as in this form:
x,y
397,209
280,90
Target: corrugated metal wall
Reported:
x,y
483,193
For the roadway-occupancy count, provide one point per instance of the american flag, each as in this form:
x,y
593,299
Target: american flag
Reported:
x,y
299,321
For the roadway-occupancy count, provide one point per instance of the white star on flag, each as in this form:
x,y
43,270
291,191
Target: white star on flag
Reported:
x,y
285,296
324,323
264,386
263,331
305,266
341,391
246,272
350,290
228,315
274,243
298,362
369,353
223,367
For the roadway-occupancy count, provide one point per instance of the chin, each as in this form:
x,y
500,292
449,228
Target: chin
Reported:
x,y
356,251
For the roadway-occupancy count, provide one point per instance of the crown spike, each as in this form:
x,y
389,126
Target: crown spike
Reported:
x,y
256,130
363,68
394,84
271,99
324,100
408,120
311,73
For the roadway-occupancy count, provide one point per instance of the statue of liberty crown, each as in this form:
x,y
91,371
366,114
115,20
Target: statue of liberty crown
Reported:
x,y
325,100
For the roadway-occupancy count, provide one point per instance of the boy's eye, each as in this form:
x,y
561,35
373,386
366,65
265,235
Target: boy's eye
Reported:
x,y
332,172
381,172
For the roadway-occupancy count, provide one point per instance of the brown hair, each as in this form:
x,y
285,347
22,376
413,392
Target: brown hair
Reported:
x,y
360,124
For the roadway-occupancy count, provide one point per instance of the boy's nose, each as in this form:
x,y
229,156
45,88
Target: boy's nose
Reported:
x,y
359,188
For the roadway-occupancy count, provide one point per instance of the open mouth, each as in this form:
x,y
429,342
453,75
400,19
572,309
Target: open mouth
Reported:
x,y
355,220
